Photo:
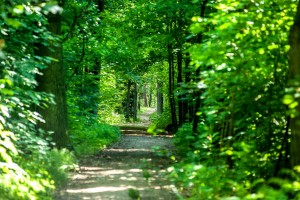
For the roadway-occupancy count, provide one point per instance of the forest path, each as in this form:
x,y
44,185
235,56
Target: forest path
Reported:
x,y
124,166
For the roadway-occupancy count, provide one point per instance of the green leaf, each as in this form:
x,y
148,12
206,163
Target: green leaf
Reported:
x,y
18,9
225,25
288,99
13,22
293,105
261,51
273,46
6,91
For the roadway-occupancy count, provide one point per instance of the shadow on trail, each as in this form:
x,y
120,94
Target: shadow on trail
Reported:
x,y
129,163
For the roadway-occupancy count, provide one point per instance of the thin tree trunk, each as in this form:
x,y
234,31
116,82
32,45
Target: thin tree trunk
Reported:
x,y
180,28
139,101
135,104
145,96
197,105
283,155
101,4
94,88
159,98
150,97
171,85
188,104
181,111
127,109
198,94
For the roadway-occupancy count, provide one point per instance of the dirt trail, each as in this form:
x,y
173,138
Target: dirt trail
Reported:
x,y
126,165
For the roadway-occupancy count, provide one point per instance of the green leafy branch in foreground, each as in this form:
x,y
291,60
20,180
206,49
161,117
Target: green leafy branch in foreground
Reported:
x,y
241,147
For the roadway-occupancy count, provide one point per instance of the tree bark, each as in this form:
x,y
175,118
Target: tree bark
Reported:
x,y
135,102
179,58
94,87
188,104
101,4
171,85
294,62
150,97
128,104
159,98
197,105
198,93
53,81
181,111
145,96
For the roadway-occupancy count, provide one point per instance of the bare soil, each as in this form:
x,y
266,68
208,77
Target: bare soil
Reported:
x,y
130,164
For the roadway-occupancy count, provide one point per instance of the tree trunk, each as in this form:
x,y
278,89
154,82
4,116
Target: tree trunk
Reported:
x,y
181,112
145,96
94,87
139,101
159,98
135,104
101,4
150,97
127,108
188,104
198,93
294,63
53,81
171,85
197,104
180,28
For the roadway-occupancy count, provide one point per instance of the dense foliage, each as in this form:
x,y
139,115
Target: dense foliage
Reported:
x,y
26,158
223,74
242,140
228,70
90,85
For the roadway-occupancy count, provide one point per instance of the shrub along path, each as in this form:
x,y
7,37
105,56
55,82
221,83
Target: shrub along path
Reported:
x,y
128,169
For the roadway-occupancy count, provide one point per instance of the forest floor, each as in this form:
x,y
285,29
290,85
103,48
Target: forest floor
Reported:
x,y
133,165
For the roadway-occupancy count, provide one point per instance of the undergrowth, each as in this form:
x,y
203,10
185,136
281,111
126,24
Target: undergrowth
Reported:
x,y
160,121
238,172
90,136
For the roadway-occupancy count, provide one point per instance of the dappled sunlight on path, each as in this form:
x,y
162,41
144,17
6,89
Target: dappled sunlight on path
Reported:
x,y
130,163
143,120
115,170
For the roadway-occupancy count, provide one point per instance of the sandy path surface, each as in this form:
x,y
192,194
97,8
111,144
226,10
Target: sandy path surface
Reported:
x,y
126,165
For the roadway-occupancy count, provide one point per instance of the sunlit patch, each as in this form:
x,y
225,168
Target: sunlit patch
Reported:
x,y
98,189
122,167
93,168
131,150
128,178
112,189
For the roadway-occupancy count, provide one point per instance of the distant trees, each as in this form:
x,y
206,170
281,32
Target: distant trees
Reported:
x,y
151,44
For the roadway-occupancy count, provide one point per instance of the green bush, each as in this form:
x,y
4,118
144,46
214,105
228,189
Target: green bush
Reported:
x,y
160,121
88,139
22,184
58,163
217,182
184,139
233,172
194,146
35,176
21,178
